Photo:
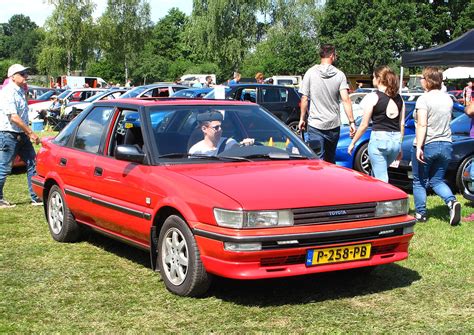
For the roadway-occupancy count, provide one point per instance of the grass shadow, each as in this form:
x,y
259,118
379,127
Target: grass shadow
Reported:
x,y
313,288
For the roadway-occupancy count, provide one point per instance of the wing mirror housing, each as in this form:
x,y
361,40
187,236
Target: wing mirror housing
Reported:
x,y
129,153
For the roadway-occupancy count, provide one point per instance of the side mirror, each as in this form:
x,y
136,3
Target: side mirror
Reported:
x,y
129,153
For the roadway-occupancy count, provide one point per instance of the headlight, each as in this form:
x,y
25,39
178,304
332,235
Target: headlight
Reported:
x,y
391,208
253,219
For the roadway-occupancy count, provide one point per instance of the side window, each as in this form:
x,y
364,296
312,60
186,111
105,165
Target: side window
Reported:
x,y
90,131
272,94
127,131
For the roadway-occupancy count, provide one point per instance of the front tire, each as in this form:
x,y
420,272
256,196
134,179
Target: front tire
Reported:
x,y
62,225
362,161
179,260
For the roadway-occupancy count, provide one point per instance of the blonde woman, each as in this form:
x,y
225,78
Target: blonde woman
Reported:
x,y
386,109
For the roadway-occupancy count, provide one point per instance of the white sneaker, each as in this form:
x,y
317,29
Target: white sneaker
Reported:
x,y
454,212
36,203
6,204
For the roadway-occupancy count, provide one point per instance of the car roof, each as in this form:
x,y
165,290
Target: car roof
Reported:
x,y
147,102
259,85
161,85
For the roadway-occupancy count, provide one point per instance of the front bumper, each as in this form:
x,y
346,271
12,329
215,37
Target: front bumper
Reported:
x,y
283,260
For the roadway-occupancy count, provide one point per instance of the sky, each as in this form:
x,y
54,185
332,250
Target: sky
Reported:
x,y
39,10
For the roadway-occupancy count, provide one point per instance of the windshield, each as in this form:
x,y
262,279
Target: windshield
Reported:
x,y
212,94
243,133
133,93
65,94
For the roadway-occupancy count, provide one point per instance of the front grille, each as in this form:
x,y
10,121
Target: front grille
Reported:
x,y
333,214
320,241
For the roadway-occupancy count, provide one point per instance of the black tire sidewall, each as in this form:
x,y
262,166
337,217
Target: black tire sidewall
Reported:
x,y
358,157
187,287
70,230
459,173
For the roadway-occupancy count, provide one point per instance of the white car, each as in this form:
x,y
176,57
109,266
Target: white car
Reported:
x,y
357,110
79,106
79,94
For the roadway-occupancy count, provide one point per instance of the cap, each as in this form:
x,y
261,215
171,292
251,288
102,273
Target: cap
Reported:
x,y
210,116
15,68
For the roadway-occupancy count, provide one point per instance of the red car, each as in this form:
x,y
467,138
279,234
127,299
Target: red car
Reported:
x,y
261,207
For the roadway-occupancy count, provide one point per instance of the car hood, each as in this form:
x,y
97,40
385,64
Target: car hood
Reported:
x,y
289,184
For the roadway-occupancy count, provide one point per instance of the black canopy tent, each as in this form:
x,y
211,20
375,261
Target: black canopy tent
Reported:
x,y
459,52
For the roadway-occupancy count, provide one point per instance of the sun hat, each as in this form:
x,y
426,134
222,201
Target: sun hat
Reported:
x,y
15,68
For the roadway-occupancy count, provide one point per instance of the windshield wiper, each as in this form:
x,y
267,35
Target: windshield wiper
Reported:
x,y
201,156
277,155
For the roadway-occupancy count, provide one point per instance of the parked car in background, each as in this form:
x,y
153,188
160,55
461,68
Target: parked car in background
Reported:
x,y
282,101
357,110
34,92
122,168
153,91
45,96
67,96
192,92
458,95
293,81
359,160
190,79
457,172
75,107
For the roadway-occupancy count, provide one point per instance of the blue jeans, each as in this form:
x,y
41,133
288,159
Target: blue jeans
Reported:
x,y
431,174
384,147
324,143
12,144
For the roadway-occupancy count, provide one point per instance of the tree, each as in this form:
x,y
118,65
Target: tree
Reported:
x,y
19,39
69,39
222,32
124,28
289,46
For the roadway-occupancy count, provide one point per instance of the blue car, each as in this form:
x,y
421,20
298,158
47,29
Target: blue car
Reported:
x,y
359,160
192,92
457,173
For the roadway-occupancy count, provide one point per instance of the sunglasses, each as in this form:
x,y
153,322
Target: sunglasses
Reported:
x,y
22,73
216,128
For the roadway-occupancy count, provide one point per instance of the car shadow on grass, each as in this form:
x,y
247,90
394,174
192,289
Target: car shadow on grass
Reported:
x,y
313,288
283,291
120,249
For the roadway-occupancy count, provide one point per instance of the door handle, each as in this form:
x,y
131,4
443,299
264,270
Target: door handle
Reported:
x,y
62,161
98,171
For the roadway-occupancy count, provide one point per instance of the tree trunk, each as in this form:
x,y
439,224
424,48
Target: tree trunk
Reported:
x,y
68,69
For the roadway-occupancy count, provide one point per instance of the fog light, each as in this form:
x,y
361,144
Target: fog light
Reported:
x,y
231,246
408,230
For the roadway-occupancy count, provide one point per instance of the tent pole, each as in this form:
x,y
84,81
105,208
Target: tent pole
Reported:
x,y
401,78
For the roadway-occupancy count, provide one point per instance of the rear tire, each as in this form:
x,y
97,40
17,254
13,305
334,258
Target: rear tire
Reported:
x,y
62,225
293,125
179,260
362,161
461,183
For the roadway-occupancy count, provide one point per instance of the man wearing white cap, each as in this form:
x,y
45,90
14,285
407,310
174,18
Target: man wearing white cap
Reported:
x,y
15,134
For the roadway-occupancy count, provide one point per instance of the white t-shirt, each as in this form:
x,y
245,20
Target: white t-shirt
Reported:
x,y
439,106
200,147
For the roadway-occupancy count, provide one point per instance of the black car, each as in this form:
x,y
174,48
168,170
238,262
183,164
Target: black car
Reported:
x,y
282,101
457,173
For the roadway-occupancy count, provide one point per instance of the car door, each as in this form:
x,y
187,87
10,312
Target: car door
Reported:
x,y
76,161
276,100
122,204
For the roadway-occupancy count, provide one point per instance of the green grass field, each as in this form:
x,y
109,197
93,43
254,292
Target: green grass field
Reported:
x,y
102,286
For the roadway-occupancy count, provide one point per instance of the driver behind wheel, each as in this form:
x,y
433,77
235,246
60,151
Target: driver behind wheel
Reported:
x,y
213,142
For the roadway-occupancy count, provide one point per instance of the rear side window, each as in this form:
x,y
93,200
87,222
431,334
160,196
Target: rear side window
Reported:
x,y
90,131
273,94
